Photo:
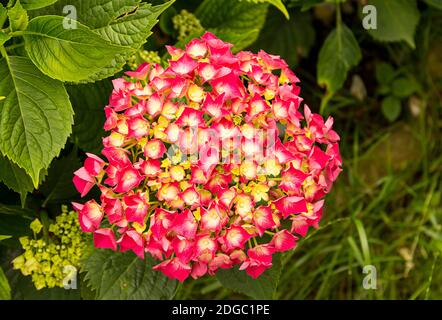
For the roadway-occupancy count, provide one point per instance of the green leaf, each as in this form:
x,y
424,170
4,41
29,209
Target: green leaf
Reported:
x,y
14,225
5,289
18,17
35,117
2,237
304,4
363,240
435,3
396,20
116,275
290,39
233,21
404,87
383,89
24,289
338,55
165,23
132,29
89,102
262,288
37,4
16,211
3,38
15,178
391,108
67,54
280,5
3,15
384,73
277,3
122,22
94,14
58,186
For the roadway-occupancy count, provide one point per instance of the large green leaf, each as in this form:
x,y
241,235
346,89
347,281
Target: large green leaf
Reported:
x,y
88,102
131,29
304,4
18,17
5,289
4,37
15,178
262,288
15,221
435,3
3,14
338,55
58,186
290,39
116,275
67,54
14,225
24,289
233,21
16,211
122,22
277,3
37,4
396,20
93,13
35,117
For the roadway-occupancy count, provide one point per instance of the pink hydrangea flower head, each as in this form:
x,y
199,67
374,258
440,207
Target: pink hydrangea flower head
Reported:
x,y
210,162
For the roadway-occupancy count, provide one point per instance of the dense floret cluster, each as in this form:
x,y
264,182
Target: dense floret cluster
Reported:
x,y
50,258
142,56
209,162
186,24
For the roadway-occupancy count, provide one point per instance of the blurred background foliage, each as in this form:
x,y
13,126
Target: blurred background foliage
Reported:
x,y
384,89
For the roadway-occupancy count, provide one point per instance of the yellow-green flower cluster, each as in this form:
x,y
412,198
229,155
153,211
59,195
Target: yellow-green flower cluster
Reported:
x,y
186,24
143,56
46,257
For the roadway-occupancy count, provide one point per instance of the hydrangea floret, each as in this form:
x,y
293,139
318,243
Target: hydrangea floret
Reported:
x,y
209,162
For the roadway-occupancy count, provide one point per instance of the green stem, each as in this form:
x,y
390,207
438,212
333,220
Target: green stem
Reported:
x,y
14,46
45,221
338,15
17,33
324,102
3,52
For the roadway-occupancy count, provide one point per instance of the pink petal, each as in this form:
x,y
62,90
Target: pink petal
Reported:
x,y
284,241
183,65
105,238
291,205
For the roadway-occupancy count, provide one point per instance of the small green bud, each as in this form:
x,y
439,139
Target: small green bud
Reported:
x,y
18,262
36,226
24,241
